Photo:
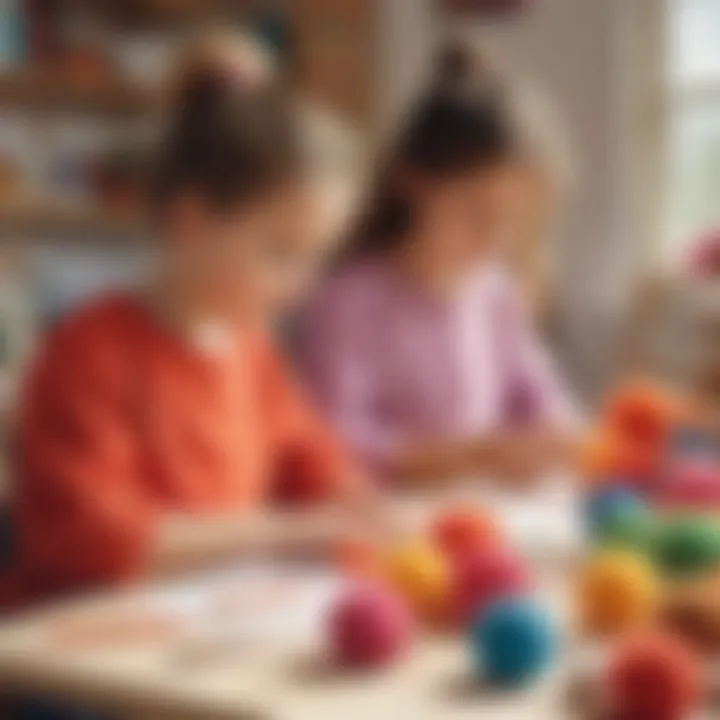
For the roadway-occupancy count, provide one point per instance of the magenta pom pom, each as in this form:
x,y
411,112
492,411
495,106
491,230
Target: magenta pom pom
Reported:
x,y
370,627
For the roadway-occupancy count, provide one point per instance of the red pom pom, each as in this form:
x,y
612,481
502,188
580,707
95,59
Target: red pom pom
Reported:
x,y
484,576
692,486
654,677
459,532
370,627
704,259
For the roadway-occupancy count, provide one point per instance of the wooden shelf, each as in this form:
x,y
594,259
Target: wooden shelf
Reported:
x,y
164,14
46,219
44,92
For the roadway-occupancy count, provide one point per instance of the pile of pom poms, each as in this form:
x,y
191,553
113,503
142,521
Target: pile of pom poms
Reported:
x,y
654,608
652,445
656,626
459,577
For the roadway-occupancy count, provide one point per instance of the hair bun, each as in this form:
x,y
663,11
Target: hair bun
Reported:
x,y
220,66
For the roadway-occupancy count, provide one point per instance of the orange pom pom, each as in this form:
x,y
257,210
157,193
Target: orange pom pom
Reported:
x,y
461,531
618,591
611,457
643,413
422,574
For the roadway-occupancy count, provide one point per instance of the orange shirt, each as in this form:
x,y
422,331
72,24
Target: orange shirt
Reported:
x,y
124,422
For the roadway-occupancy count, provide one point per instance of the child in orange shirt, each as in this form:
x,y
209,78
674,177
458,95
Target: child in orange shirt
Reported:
x,y
157,428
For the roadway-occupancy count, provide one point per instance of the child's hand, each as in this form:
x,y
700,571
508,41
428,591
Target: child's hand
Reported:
x,y
520,457
368,510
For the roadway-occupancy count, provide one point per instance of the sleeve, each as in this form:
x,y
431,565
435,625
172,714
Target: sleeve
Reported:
x,y
313,465
85,518
534,388
338,345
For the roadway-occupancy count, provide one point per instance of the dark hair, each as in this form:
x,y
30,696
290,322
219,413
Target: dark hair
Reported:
x,y
461,124
231,137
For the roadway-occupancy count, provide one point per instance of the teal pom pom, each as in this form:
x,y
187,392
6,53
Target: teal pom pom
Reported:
x,y
514,642
618,517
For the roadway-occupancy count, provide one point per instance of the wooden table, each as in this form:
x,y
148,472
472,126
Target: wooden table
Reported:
x,y
213,669
241,679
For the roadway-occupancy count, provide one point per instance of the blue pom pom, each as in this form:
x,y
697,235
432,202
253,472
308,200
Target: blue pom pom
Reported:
x,y
514,642
605,508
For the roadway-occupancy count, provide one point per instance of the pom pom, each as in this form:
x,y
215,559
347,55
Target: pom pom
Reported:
x,y
370,627
421,574
482,578
692,485
514,642
643,414
459,532
609,456
654,677
610,507
704,259
688,546
618,591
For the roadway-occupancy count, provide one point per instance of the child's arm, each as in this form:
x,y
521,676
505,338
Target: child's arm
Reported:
x,y
536,398
313,465
515,457
185,543
87,516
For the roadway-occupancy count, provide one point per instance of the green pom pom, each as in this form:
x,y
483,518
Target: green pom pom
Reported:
x,y
688,546
629,531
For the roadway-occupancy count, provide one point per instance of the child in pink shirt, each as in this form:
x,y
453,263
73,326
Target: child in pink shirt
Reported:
x,y
419,346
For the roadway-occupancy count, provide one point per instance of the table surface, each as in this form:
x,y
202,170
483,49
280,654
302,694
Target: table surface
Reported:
x,y
210,674
219,668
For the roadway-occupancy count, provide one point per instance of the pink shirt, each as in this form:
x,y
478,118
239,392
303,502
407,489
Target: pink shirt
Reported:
x,y
392,365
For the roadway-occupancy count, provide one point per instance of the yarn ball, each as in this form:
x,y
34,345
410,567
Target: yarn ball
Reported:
x,y
371,626
514,641
618,591
421,573
461,531
484,577
654,677
688,545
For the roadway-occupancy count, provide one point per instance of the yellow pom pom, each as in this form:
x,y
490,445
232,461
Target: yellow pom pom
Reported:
x,y
422,574
618,592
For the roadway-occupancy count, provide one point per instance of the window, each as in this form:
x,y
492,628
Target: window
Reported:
x,y
693,124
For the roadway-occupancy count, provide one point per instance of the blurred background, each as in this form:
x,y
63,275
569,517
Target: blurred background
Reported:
x,y
635,85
